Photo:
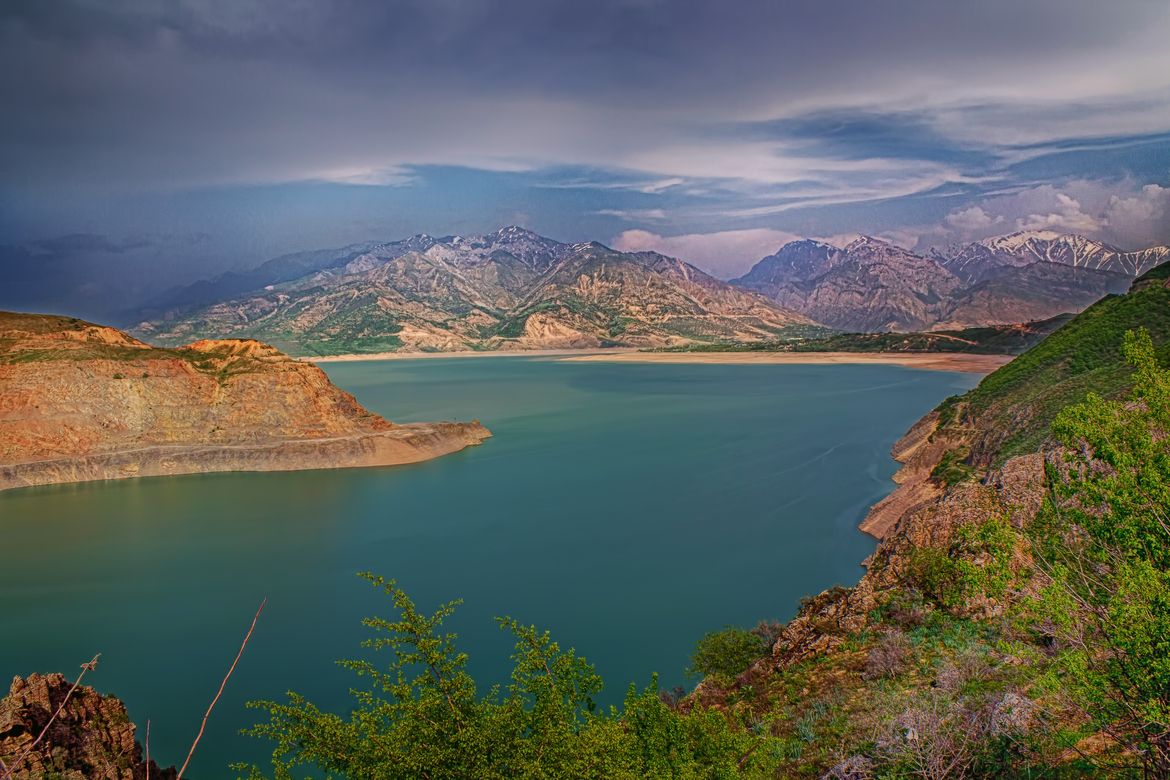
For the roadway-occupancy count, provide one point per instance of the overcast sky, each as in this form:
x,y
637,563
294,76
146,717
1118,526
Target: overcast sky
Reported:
x,y
146,143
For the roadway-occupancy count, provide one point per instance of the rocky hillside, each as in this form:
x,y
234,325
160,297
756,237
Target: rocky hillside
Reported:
x,y
92,737
871,285
1011,410
511,289
84,401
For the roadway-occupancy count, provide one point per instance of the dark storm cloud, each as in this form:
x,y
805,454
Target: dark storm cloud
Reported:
x,y
264,90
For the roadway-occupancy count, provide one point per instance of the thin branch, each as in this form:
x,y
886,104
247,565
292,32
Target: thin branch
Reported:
x,y
86,667
219,693
148,749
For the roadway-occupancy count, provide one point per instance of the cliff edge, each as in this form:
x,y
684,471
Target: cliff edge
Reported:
x,y
91,737
81,402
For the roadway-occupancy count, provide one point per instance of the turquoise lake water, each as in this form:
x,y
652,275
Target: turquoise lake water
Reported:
x,y
627,508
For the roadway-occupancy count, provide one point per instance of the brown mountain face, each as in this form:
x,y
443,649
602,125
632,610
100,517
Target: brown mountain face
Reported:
x,y
872,286
511,289
83,401
869,285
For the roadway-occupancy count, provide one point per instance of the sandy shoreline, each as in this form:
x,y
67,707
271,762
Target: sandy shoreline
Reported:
x,y
469,354
934,361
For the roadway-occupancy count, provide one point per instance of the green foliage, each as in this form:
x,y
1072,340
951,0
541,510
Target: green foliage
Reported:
x,y
1107,560
1014,407
725,654
422,716
1121,463
983,553
952,468
976,563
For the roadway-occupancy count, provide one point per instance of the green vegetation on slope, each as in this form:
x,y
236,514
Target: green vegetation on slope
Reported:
x,y
1011,409
990,340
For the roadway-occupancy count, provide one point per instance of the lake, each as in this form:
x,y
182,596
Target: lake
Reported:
x,y
627,508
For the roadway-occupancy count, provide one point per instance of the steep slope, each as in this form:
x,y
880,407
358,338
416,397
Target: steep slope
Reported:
x,y
1036,291
927,661
180,300
91,737
646,299
83,401
1009,413
511,289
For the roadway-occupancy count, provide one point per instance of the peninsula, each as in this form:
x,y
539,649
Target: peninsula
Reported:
x,y
83,402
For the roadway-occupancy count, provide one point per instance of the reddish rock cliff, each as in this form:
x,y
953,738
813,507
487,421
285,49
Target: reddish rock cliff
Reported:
x,y
92,737
81,402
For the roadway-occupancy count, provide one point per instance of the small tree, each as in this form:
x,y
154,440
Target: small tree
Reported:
x,y
724,655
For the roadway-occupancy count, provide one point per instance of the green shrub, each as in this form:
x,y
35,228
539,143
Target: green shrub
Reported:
x,y
724,655
423,716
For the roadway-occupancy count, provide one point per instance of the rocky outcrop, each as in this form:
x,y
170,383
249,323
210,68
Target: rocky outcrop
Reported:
x,y
824,621
83,402
919,451
92,737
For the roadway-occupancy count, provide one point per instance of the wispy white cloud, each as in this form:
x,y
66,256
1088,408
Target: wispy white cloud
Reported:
x,y
634,215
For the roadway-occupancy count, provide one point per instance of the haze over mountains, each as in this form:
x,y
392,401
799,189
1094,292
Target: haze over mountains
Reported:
x,y
514,289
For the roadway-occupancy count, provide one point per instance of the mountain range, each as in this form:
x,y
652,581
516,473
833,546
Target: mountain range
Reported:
x,y
872,285
511,289
514,289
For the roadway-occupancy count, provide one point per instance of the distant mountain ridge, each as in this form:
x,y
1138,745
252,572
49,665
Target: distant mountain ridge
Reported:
x,y
1045,246
510,289
872,285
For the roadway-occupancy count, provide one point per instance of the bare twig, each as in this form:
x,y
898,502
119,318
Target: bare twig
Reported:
x,y
86,667
147,763
219,693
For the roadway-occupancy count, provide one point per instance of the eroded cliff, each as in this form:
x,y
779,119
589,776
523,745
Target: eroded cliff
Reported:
x,y
82,402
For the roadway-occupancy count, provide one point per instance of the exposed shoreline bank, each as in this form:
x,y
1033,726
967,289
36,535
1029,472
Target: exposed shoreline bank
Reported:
x,y
467,354
932,361
400,445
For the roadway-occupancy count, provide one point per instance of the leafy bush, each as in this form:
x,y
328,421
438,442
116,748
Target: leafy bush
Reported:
x,y
1106,559
423,716
952,467
724,655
